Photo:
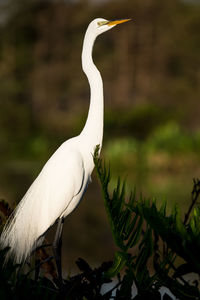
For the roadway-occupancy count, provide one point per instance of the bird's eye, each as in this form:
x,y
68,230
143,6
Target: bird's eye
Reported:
x,y
102,23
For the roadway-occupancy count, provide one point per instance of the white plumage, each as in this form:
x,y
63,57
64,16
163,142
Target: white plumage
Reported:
x,y
61,184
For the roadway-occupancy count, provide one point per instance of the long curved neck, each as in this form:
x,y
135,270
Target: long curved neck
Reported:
x,y
93,129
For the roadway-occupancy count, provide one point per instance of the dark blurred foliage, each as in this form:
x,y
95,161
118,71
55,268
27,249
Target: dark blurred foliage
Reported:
x,y
44,94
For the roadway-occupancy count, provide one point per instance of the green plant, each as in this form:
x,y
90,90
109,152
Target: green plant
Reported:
x,y
159,238
155,249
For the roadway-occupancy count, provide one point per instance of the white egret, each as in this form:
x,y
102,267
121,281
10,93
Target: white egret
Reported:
x,y
59,187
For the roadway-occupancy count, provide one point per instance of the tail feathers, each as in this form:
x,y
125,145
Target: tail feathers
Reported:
x,y
23,230
20,242
20,235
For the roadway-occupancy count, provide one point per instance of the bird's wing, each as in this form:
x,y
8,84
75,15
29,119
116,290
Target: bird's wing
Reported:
x,y
61,180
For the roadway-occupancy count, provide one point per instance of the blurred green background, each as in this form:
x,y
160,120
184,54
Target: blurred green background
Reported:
x,y
151,73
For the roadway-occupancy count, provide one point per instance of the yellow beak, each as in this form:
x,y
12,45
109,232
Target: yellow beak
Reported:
x,y
115,22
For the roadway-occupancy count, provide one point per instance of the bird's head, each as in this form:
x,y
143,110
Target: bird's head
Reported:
x,y
100,25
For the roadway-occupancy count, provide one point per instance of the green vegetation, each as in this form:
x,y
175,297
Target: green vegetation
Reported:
x,y
166,158
154,249
158,236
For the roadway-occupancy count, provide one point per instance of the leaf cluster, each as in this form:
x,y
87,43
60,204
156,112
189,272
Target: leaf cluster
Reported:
x,y
156,248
